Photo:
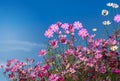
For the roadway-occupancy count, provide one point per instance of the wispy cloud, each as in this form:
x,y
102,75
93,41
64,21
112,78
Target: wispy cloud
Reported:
x,y
13,45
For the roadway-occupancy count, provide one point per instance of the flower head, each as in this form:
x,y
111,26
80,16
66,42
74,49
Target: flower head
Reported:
x,y
53,77
115,5
116,71
83,33
65,26
69,51
49,33
117,18
54,27
106,23
53,43
109,4
42,52
77,25
114,48
63,39
105,12
98,56
71,70
94,29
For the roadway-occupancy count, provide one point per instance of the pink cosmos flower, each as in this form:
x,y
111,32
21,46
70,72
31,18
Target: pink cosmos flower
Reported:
x,y
42,74
70,29
65,26
102,69
49,33
71,70
53,77
32,74
83,33
45,67
53,43
117,18
9,62
83,59
112,41
98,56
69,51
42,52
97,42
54,27
59,23
63,39
77,25
14,68
116,71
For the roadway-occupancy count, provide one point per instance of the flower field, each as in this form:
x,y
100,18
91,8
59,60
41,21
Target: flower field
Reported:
x,y
72,54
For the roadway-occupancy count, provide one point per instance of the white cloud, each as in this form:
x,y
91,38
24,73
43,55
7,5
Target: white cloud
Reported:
x,y
13,45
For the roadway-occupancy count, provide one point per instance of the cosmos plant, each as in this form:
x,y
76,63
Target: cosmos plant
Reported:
x,y
72,54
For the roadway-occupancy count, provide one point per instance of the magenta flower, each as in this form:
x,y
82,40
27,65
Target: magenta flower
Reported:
x,y
45,67
54,27
71,70
82,58
102,69
69,51
70,29
117,18
63,39
65,26
49,33
9,62
59,23
53,77
42,52
14,68
83,33
98,56
77,25
53,43
116,71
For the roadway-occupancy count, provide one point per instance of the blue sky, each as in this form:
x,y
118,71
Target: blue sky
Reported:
x,y
23,22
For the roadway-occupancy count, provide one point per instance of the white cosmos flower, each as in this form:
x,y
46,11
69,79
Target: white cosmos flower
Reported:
x,y
115,5
105,12
114,48
109,4
94,29
106,23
